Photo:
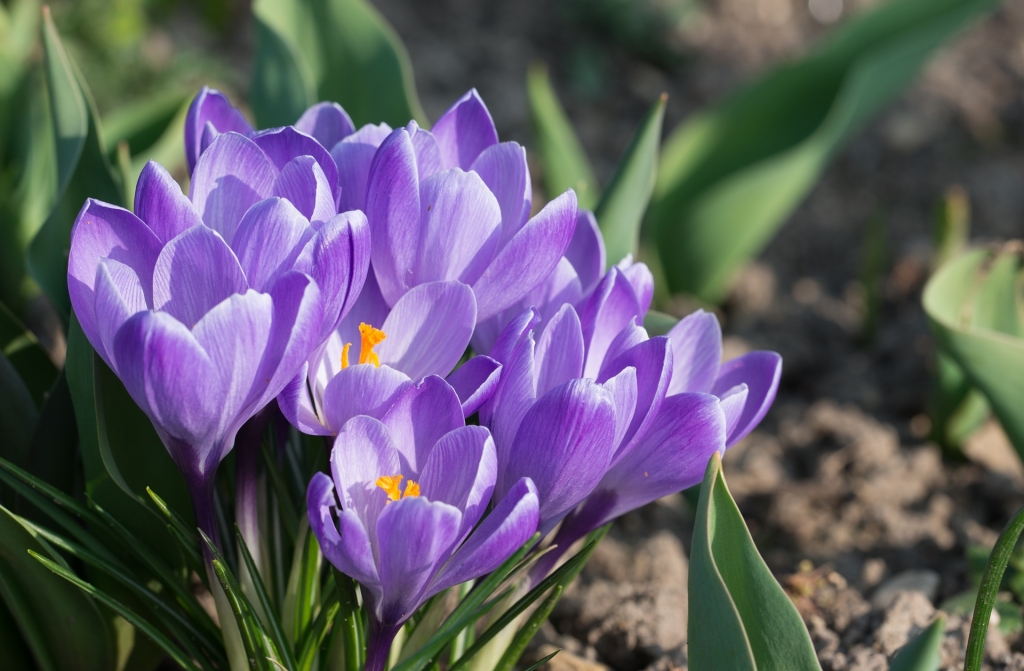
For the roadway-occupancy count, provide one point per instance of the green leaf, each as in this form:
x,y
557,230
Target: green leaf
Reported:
x,y
745,620
53,454
730,177
273,622
142,123
44,605
529,629
565,163
957,300
340,50
13,648
82,169
542,661
18,414
924,653
26,355
625,200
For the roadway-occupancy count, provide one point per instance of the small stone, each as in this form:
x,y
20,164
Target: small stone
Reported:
x,y
921,581
905,617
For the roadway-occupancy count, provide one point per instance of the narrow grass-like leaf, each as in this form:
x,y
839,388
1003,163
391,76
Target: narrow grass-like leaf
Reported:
x,y
315,634
273,621
528,630
924,652
348,621
542,661
565,164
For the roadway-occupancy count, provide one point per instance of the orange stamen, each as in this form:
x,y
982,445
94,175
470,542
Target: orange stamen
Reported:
x,y
390,485
344,355
370,338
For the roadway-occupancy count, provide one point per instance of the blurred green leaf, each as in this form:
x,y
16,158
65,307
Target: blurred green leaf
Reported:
x,y
565,163
82,169
26,355
53,456
340,50
43,606
924,652
625,200
958,300
142,122
731,176
18,414
13,648
746,620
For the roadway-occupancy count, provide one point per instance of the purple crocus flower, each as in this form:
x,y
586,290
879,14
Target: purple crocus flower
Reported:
x,y
206,306
406,542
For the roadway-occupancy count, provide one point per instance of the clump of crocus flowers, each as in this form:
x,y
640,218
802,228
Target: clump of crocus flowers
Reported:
x,y
480,376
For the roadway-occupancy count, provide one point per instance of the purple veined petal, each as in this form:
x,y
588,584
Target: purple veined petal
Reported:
x,y
353,155
160,203
505,172
119,295
464,131
460,471
559,353
105,231
564,444
302,181
696,353
512,334
327,122
420,415
586,250
340,264
669,458
761,372
362,390
428,329
609,310
652,360
369,308
460,228
210,106
349,550
268,241
642,281
733,401
174,381
515,395
414,537
623,389
528,258
475,382
393,211
231,175
194,272
283,144
363,452
628,338
428,156
512,522
297,407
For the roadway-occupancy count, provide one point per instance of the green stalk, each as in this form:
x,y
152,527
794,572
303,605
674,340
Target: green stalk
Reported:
x,y
989,588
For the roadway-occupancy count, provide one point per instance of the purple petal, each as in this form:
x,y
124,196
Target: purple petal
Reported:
x,y
559,353
231,175
670,457
327,122
733,401
475,382
420,415
160,203
210,107
119,295
513,334
464,131
297,407
340,264
623,390
393,211
428,329
353,155
696,353
428,156
460,227
586,250
652,360
303,182
628,338
505,172
369,308
175,382
528,258
460,471
283,144
515,395
564,444
361,390
349,550
415,537
642,281
512,522
268,241
761,372
194,272
363,452
609,310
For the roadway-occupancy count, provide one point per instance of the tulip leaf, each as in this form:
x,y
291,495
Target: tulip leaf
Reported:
x,y
625,200
746,620
340,50
82,168
960,300
42,605
924,652
730,177
566,165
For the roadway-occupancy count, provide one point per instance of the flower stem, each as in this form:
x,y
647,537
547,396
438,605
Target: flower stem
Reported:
x,y
378,645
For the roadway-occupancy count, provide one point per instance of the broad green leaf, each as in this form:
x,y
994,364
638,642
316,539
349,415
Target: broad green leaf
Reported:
x,y
13,648
53,455
744,619
26,355
82,169
142,122
730,177
43,605
18,414
625,200
924,652
565,163
956,300
340,50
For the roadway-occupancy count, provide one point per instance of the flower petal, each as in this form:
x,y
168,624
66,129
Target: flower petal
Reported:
x,y
623,390
327,122
504,170
428,156
428,329
349,550
475,382
733,401
297,407
119,295
460,471
340,264
361,390
210,106
363,452
160,203
642,281
586,250
652,360
283,144
515,395
761,372
696,353
353,155
303,182
268,241
421,414
559,353
369,308
609,310
464,131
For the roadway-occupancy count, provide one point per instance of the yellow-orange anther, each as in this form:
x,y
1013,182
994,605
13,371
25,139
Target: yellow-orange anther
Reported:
x,y
389,483
344,355
370,338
